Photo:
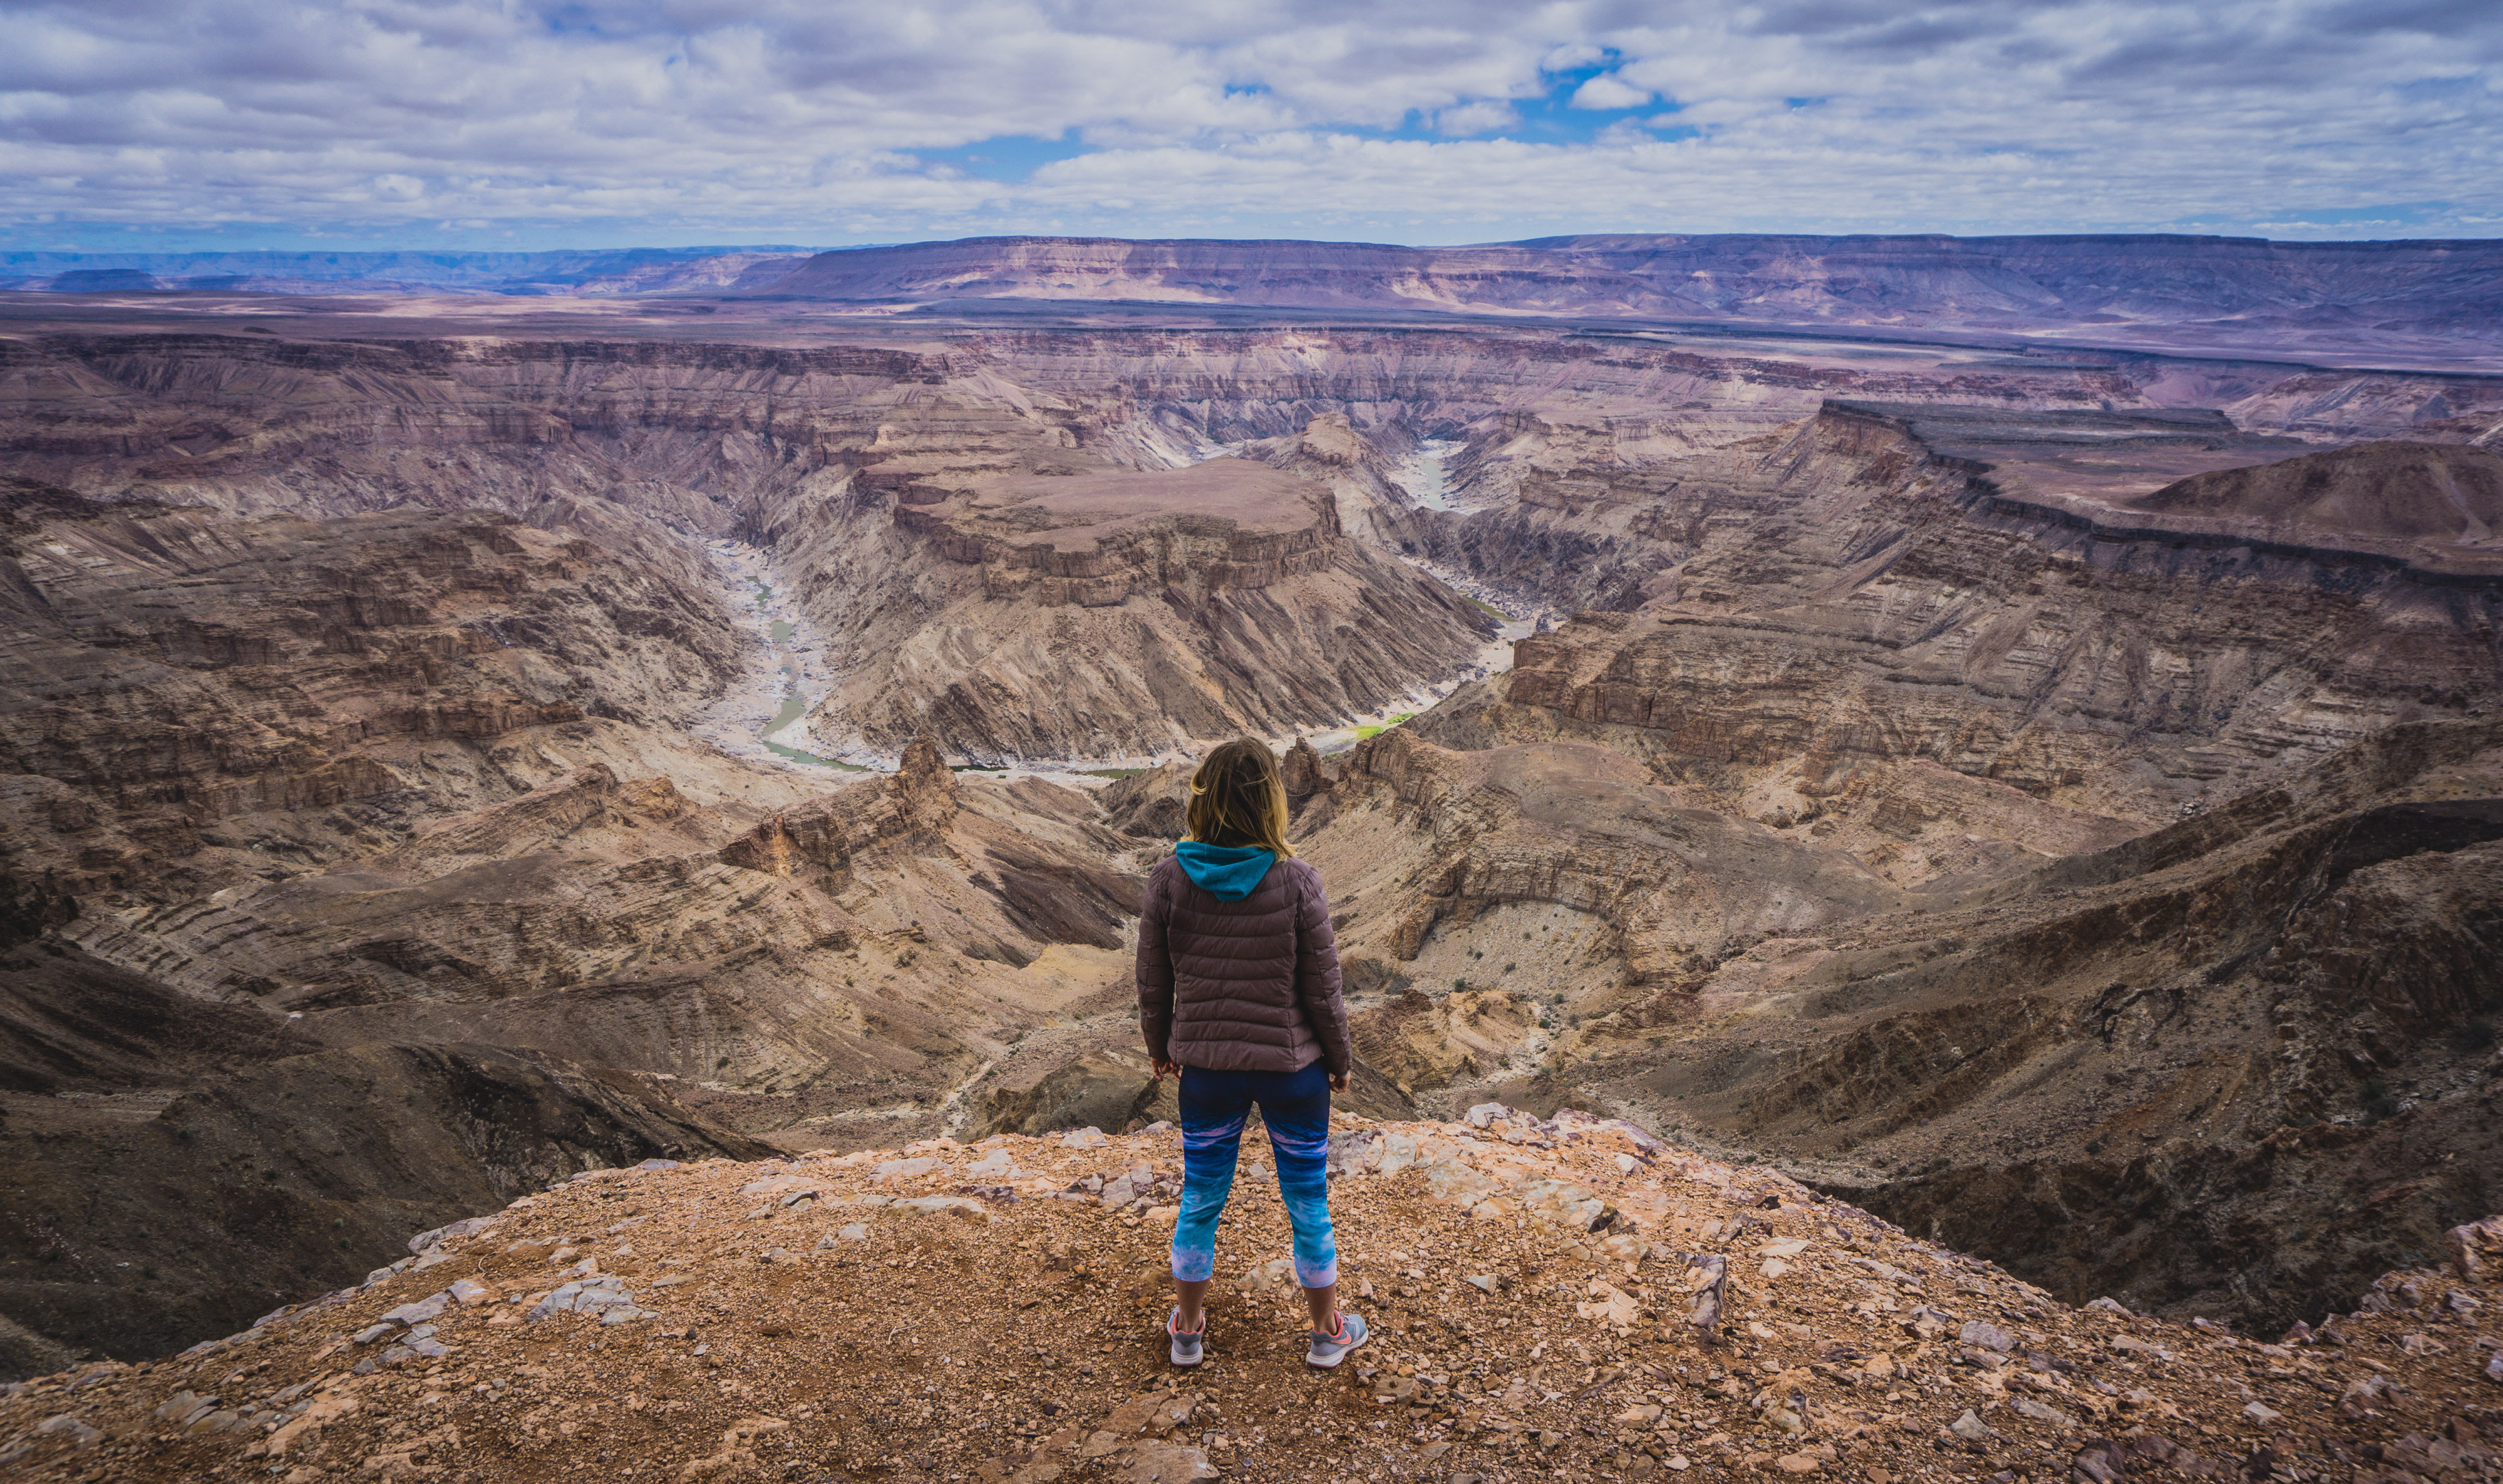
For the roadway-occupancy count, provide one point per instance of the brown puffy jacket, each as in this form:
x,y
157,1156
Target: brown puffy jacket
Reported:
x,y
1241,985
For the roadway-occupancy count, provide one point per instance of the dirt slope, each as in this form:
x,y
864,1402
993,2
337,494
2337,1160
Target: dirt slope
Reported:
x,y
1548,1299
2428,492
174,1166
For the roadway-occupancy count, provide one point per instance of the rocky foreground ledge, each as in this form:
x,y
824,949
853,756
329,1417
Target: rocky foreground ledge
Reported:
x,y
1566,1300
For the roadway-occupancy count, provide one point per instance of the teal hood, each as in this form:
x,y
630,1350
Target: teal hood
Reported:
x,y
1231,871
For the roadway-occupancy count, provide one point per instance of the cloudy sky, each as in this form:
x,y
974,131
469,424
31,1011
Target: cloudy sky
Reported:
x,y
172,124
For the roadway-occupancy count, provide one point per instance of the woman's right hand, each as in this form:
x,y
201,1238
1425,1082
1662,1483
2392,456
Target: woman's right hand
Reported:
x,y
1166,1069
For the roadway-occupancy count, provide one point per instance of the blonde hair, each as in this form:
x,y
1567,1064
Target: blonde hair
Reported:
x,y
1238,797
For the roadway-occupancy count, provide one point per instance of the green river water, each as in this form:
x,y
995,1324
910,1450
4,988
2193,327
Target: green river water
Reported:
x,y
792,705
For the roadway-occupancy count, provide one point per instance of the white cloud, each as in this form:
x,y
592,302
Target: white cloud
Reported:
x,y
1607,91
1479,118
618,121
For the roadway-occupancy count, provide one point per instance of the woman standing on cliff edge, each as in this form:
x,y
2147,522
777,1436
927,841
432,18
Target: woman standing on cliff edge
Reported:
x,y
1239,997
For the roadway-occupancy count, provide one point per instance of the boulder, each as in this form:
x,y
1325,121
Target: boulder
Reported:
x,y
1107,1089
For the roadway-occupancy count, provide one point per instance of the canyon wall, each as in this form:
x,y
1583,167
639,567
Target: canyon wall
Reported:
x,y
2046,795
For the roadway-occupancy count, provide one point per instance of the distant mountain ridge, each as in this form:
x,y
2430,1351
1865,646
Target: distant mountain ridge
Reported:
x,y
2410,300
2175,291
627,271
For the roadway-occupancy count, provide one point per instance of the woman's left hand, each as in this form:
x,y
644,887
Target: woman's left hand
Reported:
x,y
1166,1069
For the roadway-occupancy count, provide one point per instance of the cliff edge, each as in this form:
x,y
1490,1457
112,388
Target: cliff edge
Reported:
x,y
1561,1299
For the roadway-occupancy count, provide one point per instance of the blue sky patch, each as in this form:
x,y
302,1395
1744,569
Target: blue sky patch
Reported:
x,y
1011,159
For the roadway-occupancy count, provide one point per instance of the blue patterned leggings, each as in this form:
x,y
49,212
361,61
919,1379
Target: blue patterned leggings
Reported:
x,y
1295,1107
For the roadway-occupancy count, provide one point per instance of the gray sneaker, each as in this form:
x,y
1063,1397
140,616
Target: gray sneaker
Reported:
x,y
1330,1349
1188,1349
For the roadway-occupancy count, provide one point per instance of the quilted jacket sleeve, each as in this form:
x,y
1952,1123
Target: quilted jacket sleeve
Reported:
x,y
1317,976
1155,967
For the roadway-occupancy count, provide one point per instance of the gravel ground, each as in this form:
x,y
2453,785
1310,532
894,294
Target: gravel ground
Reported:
x,y
1549,1301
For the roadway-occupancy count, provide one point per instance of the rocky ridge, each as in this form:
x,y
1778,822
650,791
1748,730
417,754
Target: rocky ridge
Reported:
x,y
1158,610
2377,300
175,1166
184,695
1841,595
1548,1298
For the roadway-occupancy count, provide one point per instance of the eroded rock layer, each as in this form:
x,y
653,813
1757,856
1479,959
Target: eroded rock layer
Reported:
x,y
1152,608
2048,797
1840,596
185,693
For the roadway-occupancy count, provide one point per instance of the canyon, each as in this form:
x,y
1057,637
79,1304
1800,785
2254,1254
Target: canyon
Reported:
x,y
2045,796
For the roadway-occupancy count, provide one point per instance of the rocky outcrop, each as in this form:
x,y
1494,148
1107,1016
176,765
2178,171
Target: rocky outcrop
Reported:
x,y
1154,803
1476,1251
1852,600
1417,841
1155,611
2426,496
920,798
1109,1090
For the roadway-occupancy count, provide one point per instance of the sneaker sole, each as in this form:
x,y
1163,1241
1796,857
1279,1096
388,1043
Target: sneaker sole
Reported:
x,y
1314,1357
1178,1359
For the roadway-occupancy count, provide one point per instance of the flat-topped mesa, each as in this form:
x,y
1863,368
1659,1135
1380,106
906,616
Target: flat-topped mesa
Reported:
x,y
1096,539
1066,608
2189,477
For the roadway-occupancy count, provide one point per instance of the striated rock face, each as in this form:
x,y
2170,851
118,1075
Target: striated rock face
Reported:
x,y
1842,599
596,971
170,679
1571,826
2160,1070
595,913
1155,610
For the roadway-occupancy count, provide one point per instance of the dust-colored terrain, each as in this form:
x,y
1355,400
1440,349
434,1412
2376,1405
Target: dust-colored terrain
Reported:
x,y
2049,799
1547,1298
